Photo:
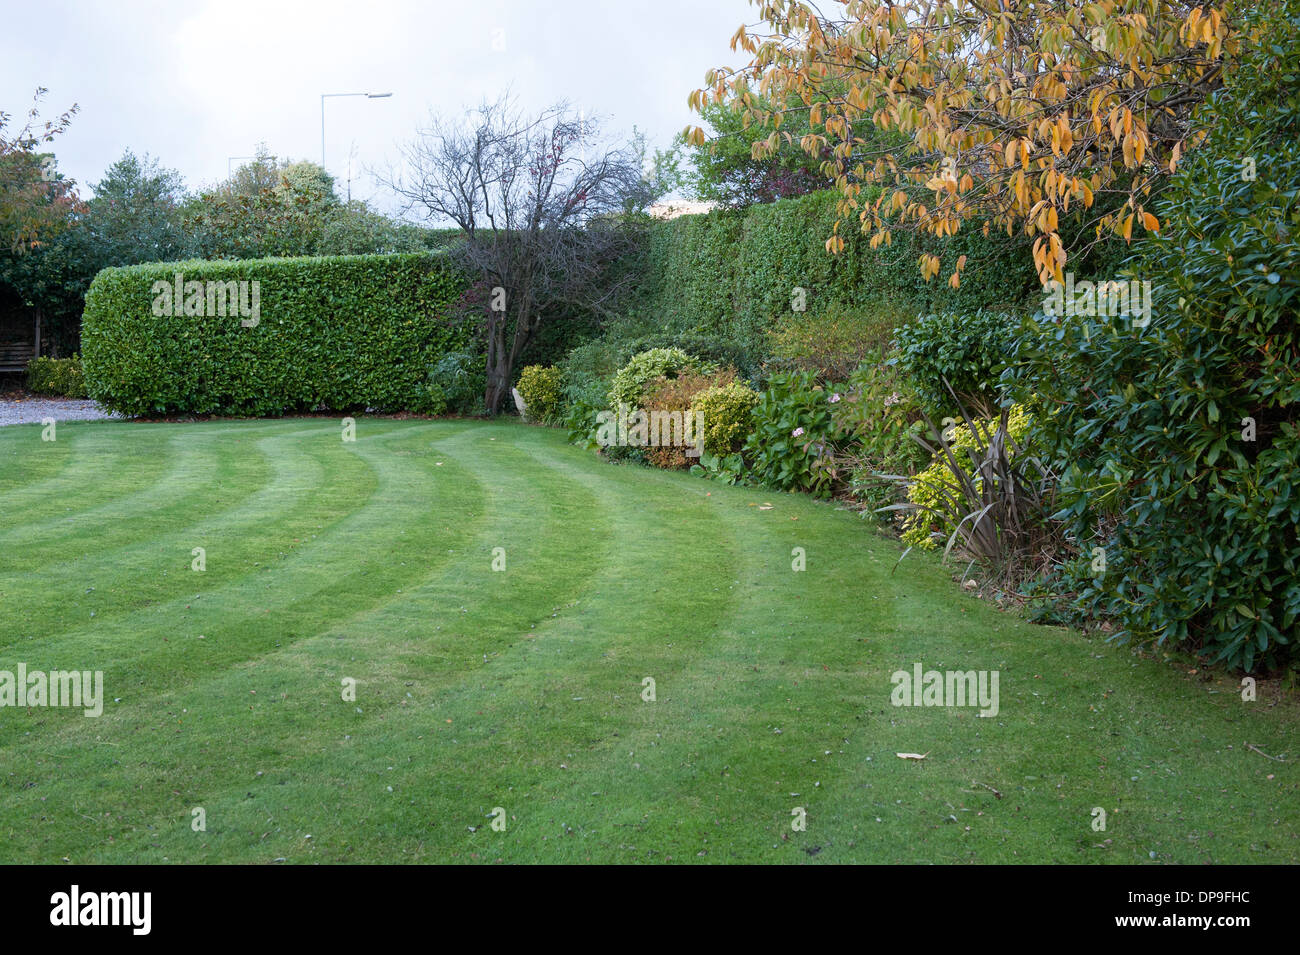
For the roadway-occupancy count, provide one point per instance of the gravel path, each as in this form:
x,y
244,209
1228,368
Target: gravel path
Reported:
x,y
32,410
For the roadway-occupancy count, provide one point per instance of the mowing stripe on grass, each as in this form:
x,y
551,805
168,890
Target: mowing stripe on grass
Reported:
x,y
522,689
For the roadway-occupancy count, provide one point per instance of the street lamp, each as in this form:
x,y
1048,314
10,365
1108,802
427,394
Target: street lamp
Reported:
x,y
231,159
322,115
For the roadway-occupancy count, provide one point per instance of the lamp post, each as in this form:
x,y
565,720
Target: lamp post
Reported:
x,y
323,97
231,159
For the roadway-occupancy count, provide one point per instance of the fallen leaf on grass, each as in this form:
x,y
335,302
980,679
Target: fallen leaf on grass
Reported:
x,y
913,755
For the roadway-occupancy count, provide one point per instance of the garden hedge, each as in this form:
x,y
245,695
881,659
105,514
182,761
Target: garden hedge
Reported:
x,y
732,273
56,376
335,332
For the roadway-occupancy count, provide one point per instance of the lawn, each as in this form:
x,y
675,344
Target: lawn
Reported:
x,y
523,688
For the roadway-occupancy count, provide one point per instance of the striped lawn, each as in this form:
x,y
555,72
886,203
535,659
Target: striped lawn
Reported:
x,y
523,688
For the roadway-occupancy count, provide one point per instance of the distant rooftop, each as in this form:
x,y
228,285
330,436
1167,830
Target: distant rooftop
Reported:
x,y
673,208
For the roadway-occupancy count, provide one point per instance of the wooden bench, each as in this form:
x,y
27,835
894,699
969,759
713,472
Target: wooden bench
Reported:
x,y
14,356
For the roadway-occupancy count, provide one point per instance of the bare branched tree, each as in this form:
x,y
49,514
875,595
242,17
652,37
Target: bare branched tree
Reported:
x,y
545,208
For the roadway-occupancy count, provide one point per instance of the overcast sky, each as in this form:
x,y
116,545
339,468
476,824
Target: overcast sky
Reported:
x,y
194,83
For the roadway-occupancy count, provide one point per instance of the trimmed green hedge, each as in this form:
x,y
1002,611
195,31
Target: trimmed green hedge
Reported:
x,y
337,332
732,273
57,376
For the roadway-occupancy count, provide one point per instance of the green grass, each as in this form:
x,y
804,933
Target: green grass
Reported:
x,y
522,689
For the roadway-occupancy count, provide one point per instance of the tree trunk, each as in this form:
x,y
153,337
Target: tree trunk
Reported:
x,y
500,361
498,382
499,365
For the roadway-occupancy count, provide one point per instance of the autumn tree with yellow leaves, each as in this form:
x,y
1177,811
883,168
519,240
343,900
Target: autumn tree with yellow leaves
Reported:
x,y
1015,111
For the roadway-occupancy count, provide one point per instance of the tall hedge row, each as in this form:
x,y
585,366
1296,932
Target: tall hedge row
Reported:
x,y
337,332
730,273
